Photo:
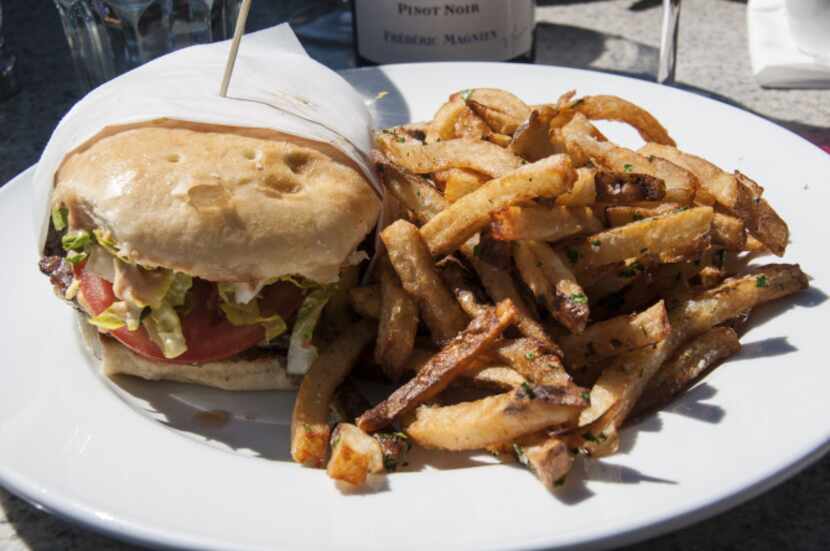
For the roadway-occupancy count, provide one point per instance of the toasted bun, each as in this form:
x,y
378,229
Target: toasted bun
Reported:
x,y
218,205
267,373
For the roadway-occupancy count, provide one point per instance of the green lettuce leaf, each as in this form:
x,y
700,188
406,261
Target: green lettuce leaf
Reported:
x,y
301,351
105,239
74,257
76,240
179,286
118,315
141,287
249,314
59,217
165,329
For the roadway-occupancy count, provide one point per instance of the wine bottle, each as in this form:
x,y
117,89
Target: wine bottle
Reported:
x,y
403,31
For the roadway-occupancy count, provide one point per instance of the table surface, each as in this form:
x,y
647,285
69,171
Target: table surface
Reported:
x,y
613,35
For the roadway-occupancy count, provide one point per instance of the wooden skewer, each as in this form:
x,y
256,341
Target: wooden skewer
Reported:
x,y
237,38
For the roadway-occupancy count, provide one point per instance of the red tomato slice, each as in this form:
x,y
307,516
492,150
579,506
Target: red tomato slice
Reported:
x,y
208,334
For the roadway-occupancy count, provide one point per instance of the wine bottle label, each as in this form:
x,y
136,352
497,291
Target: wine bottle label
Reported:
x,y
442,30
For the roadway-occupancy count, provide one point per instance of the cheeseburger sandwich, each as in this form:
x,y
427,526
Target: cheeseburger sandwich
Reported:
x,y
205,254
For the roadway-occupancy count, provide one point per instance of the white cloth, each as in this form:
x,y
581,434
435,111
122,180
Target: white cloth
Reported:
x,y
776,60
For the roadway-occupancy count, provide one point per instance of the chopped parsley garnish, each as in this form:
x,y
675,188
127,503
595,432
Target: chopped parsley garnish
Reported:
x,y
528,390
637,216
627,168
573,255
520,454
400,139
530,356
761,281
586,396
390,465
720,258
477,250
594,438
579,298
632,269
596,242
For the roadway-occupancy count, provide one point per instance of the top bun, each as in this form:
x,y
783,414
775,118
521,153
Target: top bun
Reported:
x,y
221,206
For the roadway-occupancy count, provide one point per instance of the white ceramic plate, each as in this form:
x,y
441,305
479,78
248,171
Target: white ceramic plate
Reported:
x,y
137,461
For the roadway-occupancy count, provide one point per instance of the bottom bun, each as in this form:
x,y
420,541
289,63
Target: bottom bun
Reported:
x,y
265,373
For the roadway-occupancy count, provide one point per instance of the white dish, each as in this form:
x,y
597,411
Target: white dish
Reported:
x,y
136,462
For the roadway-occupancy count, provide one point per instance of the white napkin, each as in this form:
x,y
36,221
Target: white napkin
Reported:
x,y
776,60
275,85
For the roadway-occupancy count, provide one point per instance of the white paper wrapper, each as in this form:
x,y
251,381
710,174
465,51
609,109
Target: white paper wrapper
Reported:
x,y
275,85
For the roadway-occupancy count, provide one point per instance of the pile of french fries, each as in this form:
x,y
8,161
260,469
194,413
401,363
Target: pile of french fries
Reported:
x,y
574,283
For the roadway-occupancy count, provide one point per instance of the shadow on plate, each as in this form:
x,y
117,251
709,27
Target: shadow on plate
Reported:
x,y
254,424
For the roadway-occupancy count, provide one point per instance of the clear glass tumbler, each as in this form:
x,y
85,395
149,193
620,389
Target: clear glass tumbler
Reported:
x,y
109,37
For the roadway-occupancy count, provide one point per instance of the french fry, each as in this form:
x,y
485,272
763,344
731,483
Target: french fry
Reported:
x,y
530,141
738,193
442,126
622,383
671,235
348,403
354,454
764,223
534,362
492,265
621,187
495,419
571,302
366,301
309,422
693,360
412,262
541,223
717,183
680,183
615,336
605,280
494,376
394,446
583,192
456,356
622,215
613,108
414,192
548,457
470,126
501,110
483,157
456,281
728,232
450,228
397,326
483,372
458,182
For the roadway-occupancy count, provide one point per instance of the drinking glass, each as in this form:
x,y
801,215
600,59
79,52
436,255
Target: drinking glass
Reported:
x,y
8,83
324,21
109,37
